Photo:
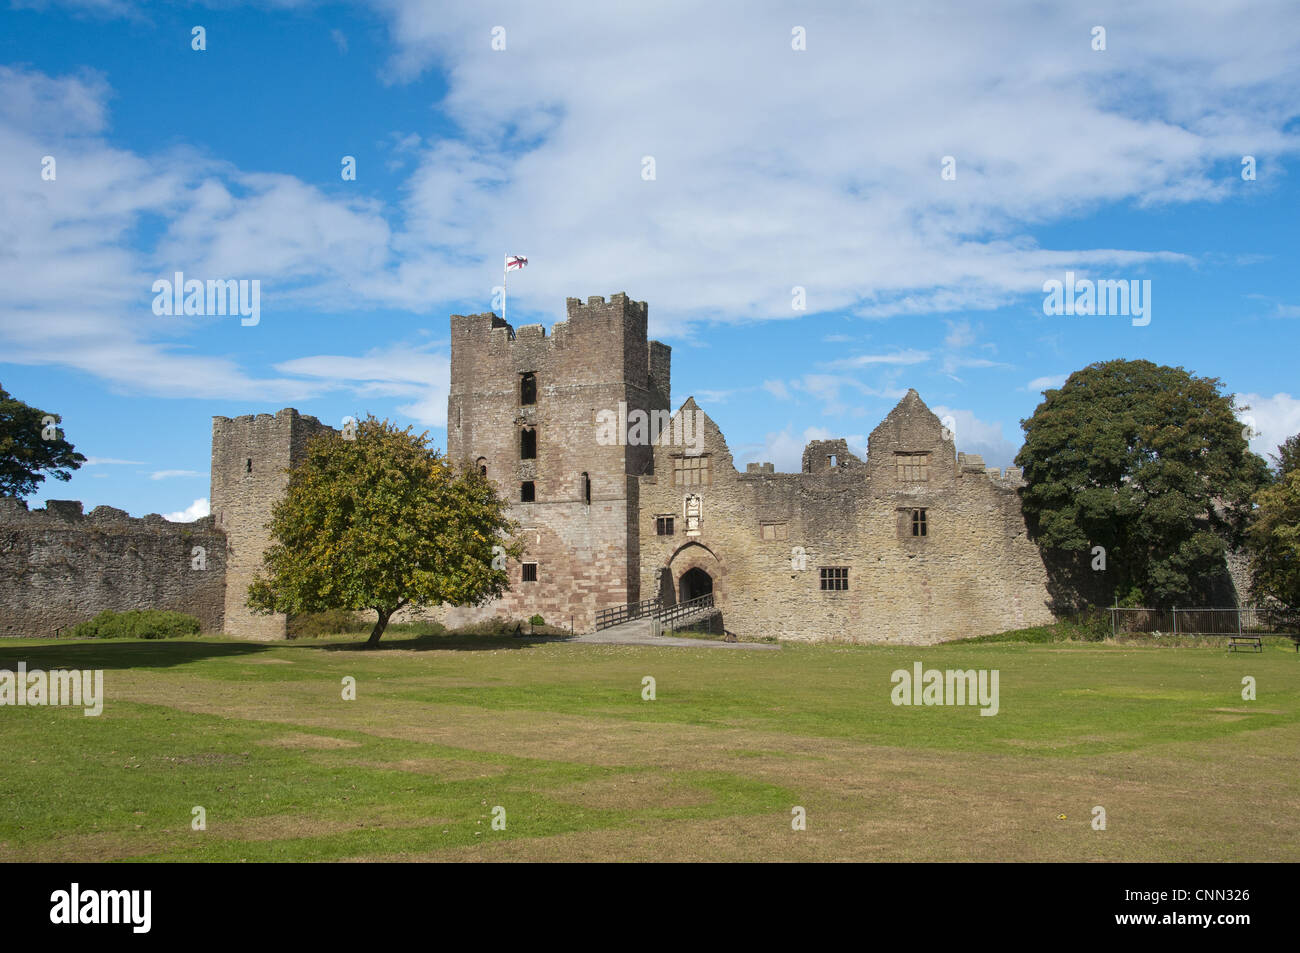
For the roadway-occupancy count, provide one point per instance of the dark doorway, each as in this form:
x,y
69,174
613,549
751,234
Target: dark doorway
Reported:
x,y
695,583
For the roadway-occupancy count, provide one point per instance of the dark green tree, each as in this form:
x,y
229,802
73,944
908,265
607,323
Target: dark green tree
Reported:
x,y
1148,462
381,520
1275,531
31,445
1287,458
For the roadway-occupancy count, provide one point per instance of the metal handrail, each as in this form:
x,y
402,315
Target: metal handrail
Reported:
x,y
672,613
615,615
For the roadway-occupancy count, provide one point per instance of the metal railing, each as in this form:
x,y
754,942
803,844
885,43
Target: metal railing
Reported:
x,y
670,614
1243,620
616,615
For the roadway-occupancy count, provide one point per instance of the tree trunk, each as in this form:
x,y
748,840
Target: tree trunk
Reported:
x,y
380,624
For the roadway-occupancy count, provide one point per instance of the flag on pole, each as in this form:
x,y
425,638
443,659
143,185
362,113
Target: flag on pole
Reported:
x,y
513,263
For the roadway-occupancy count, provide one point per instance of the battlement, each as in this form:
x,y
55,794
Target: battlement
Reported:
x,y
288,413
600,342
60,566
67,514
596,305
972,464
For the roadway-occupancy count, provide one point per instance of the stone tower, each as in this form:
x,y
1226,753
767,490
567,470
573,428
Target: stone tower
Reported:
x,y
250,459
525,406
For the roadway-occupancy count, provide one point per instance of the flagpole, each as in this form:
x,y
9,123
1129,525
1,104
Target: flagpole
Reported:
x,y
505,279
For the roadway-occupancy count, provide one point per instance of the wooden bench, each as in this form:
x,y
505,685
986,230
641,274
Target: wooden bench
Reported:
x,y
1254,642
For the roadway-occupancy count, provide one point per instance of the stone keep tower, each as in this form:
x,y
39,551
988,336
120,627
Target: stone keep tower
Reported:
x,y
523,406
250,459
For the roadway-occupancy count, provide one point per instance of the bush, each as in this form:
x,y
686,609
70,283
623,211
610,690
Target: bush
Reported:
x,y
136,624
311,625
537,620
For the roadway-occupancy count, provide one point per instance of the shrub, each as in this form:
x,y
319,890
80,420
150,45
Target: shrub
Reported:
x,y
311,625
537,620
136,624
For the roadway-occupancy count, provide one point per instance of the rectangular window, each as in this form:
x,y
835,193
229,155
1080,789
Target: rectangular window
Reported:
x,y
663,525
835,578
527,388
530,572
918,523
691,471
527,492
772,530
528,444
913,467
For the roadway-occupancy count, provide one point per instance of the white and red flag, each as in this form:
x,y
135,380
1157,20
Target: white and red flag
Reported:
x,y
513,263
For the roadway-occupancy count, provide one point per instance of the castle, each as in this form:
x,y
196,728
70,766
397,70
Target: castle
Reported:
x,y
620,500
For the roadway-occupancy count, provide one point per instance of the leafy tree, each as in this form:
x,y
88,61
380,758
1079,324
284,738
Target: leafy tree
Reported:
x,y
1287,458
1147,461
383,521
1275,532
31,445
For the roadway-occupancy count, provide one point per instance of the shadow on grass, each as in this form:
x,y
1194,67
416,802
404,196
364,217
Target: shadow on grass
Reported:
x,y
451,642
123,653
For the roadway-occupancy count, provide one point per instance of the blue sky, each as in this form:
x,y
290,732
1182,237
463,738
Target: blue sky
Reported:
x,y
774,168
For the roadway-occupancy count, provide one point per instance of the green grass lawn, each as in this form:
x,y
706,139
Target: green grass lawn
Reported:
x,y
445,729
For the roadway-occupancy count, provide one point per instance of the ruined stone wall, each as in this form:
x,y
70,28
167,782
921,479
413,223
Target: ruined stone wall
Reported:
x,y
974,573
585,551
59,567
251,457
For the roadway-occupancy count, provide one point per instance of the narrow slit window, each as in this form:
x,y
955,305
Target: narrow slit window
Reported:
x,y
586,489
248,465
528,444
527,388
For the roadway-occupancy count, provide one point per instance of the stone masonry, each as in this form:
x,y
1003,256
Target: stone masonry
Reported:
x,y
618,501
924,544
251,458
59,566
523,405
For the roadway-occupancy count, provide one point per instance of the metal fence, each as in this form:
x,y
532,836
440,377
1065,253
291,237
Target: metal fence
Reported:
x,y
1242,620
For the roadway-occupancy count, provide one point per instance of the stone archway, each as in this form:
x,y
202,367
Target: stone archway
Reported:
x,y
689,557
693,583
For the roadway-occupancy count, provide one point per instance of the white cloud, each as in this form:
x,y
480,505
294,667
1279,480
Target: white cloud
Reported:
x,y
106,461
1273,419
972,435
768,175
196,510
1050,382
909,356
420,373
170,474
959,334
777,389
